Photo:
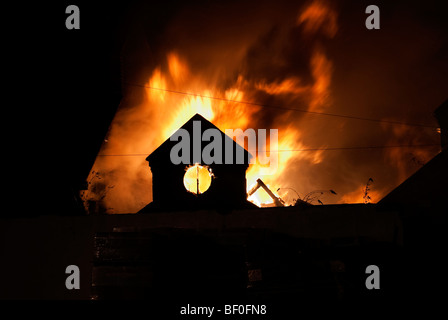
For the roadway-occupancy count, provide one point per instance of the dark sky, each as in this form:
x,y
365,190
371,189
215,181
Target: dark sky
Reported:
x,y
397,73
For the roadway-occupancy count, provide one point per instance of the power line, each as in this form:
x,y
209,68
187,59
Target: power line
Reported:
x,y
363,147
284,108
299,150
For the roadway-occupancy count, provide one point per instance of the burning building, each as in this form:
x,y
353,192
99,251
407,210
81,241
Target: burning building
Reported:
x,y
281,68
349,104
196,185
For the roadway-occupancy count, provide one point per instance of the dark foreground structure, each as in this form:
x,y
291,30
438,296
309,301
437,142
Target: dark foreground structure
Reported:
x,y
227,190
312,253
300,253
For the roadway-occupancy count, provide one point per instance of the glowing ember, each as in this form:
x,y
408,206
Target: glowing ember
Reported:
x,y
197,179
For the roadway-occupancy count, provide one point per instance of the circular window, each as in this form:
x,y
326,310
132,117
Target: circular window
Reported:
x,y
197,179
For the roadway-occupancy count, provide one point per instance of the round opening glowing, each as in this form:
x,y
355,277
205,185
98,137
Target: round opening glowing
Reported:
x,y
197,179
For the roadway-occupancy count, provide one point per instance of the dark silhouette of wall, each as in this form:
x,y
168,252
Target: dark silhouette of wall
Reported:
x,y
228,187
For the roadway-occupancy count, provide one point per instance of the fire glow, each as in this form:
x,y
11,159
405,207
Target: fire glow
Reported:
x,y
197,178
174,93
231,93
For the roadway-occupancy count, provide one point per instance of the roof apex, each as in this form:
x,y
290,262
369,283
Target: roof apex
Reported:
x,y
165,148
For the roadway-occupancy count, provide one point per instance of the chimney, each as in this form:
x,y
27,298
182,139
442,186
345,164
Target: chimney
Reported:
x,y
441,114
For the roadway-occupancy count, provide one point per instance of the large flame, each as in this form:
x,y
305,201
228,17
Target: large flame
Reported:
x,y
174,93
255,66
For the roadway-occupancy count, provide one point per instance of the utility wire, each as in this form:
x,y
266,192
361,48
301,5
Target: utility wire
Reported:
x,y
298,150
283,108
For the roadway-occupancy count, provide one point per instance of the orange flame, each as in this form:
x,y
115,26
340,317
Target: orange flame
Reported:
x,y
318,16
173,94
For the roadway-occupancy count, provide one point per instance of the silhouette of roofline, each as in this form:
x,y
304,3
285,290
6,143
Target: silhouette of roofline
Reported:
x,y
197,117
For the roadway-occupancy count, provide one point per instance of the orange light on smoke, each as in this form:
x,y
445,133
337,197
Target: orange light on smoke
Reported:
x,y
174,93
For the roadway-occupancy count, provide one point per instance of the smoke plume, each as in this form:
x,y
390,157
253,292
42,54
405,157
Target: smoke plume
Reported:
x,y
313,56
